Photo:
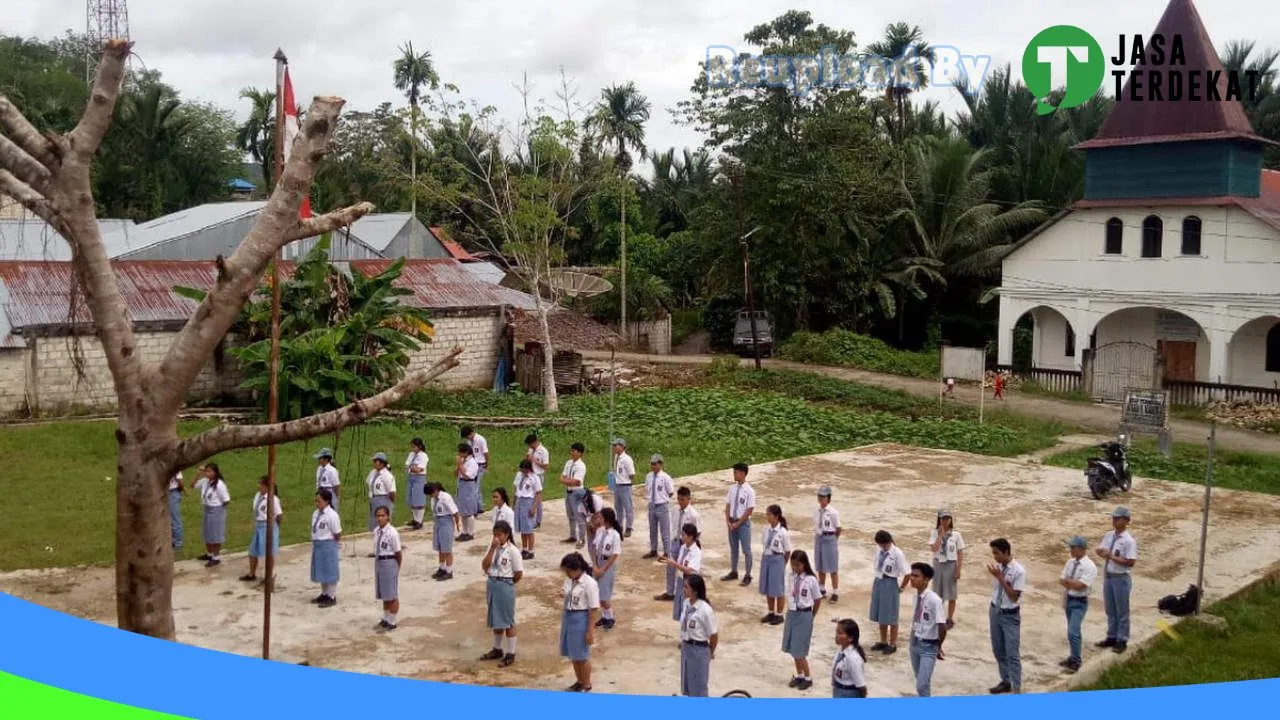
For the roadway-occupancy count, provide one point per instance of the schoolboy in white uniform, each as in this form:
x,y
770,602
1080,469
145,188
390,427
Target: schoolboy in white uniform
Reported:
x,y
1077,580
624,475
928,628
739,503
1008,582
659,488
1120,550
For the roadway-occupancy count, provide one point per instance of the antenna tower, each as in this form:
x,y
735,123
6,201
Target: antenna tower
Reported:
x,y
104,20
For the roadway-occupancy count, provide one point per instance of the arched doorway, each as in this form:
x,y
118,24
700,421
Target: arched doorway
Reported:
x,y
1043,339
1140,347
1254,357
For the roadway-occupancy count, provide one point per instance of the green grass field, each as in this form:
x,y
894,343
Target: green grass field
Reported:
x,y
1232,470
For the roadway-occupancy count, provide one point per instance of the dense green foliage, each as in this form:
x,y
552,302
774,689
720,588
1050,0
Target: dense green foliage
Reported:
x,y
844,348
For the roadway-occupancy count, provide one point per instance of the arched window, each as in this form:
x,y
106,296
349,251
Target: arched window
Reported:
x,y
1191,235
1115,237
1273,349
1152,236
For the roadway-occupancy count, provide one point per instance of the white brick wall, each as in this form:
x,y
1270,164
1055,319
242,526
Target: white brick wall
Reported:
x,y
50,383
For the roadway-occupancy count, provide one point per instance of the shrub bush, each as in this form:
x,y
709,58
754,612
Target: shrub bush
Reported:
x,y
848,349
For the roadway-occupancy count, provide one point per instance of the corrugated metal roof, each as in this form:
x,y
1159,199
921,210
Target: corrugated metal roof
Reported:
x,y
377,231
200,217
32,239
447,284
1131,122
485,272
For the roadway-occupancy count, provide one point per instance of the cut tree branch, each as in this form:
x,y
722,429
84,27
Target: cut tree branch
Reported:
x,y
224,438
23,166
273,229
28,198
25,135
93,125
329,222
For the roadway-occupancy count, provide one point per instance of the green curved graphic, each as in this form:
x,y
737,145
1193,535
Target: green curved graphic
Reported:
x,y
22,699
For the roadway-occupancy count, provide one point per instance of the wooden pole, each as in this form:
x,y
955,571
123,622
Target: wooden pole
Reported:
x,y
1204,519
273,397
751,300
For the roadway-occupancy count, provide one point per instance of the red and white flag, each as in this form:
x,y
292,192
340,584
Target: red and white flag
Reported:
x,y
291,129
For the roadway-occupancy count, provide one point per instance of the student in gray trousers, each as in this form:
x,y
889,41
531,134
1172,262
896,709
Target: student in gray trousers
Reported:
x,y
1009,581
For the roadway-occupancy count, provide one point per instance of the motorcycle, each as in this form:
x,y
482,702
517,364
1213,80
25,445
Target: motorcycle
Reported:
x,y
1105,474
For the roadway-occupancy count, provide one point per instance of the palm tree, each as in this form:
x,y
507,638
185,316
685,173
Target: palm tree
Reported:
x,y
258,134
1264,107
619,121
413,71
906,48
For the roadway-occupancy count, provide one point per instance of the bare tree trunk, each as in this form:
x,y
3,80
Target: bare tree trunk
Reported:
x,y
144,554
550,399
623,289
413,173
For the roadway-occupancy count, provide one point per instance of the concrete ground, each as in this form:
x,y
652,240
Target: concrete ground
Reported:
x,y
879,487
1095,417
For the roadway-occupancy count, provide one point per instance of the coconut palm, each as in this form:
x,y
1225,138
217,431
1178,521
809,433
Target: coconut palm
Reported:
x,y
618,121
257,135
905,47
1264,107
413,72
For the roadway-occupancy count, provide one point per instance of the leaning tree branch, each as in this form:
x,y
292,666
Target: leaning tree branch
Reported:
x,y
28,198
16,160
234,437
275,227
107,81
336,220
25,135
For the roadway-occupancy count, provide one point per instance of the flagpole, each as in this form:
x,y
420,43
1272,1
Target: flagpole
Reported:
x,y
273,396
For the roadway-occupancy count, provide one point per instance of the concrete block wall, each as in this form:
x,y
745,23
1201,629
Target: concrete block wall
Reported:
x,y
13,380
481,338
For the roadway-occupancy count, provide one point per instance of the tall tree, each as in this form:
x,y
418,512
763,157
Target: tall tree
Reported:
x,y
619,121
414,71
50,175
906,56
1264,107
257,136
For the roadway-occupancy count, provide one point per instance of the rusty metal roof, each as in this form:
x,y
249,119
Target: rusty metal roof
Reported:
x,y
1148,121
442,283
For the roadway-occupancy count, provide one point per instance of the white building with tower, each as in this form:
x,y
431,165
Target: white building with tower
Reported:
x,y
1167,273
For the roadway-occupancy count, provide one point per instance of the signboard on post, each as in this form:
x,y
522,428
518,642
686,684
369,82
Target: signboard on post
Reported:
x,y
1147,411
966,364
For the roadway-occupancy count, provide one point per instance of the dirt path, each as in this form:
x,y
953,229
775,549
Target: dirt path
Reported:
x,y
1102,418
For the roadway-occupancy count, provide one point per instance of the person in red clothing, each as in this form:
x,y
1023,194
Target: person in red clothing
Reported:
x,y
999,384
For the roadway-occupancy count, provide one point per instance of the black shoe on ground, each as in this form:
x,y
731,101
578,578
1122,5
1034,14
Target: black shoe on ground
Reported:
x,y
891,649
493,654
794,682
746,580
649,555
610,623
213,562
766,618
804,684
206,557
835,597
1071,666
328,602
1000,689
627,534
445,576
729,577
569,541
777,620
1119,647
318,599
879,646
664,597
526,555
507,659
1109,642
601,622
576,687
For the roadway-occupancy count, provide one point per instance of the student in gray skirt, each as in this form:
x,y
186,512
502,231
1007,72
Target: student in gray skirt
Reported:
x,y
802,605
773,564
698,637
848,669
381,485
214,499
326,533
504,567
606,547
948,557
826,543
577,623
386,568
890,574
447,524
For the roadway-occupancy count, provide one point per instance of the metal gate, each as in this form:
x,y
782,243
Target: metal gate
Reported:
x,y
1118,366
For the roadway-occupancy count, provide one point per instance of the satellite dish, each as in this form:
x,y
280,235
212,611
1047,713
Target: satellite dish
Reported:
x,y
577,284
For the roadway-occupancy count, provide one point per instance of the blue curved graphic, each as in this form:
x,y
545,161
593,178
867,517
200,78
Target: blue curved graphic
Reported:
x,y
98,661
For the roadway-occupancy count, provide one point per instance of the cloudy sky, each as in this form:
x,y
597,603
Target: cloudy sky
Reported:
x,y
211,49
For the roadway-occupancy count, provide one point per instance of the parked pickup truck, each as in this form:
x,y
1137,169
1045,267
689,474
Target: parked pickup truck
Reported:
x,y
742,334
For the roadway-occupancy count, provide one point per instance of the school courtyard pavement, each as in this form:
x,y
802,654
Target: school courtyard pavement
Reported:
x,y
890,487
1098,417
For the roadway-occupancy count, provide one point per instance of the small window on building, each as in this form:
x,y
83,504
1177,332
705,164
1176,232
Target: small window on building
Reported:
x,y
1115,237
1071,342
1152,237
1273,349
1191,235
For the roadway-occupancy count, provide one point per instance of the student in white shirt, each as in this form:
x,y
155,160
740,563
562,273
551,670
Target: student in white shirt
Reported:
x,y
386,568
528,484
540,458
1120,550
214,499
479,449
261,516
504,568
415,468
327,476
739,503
469,503
685,561
802,605
502,511
849,668
1077,579
889,578
658,488
326,533
826,543
773,564
176,491
606,548
381,485
447,524
948,558
928,628
683,514
621,479
1008,582
573,478
698,637
577,622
